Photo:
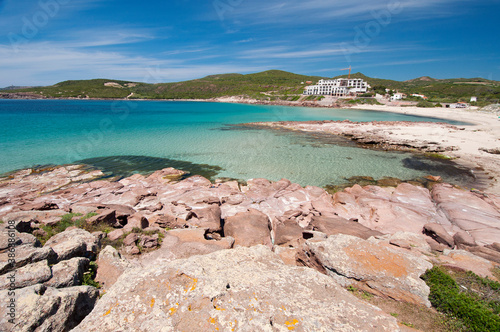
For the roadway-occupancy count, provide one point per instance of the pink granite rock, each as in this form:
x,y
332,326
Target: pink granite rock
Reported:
x,y
248,228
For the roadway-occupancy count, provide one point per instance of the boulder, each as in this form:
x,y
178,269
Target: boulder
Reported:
x,y
436,246
287,254
26,254
131,239
193,182
166,175
133,250
74,243
26,276
46,309
248,228
148,242
287,232
68,273
246,289
106,216
333,226
110,266
167,221
439,234
463,239
116,234
258,190
207,217
14,238
374,267
122,212
136,220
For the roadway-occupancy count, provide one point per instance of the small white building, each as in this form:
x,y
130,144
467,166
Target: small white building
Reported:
x,y
473,99
339,87
397,96
419,95
459,105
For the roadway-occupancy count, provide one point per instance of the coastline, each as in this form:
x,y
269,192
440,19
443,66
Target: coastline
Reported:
x,y
474,146
466,146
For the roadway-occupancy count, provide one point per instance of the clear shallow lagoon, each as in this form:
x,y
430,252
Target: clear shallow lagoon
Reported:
x,y
38,132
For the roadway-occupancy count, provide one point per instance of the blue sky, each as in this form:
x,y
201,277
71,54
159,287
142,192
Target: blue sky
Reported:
x,y
47,41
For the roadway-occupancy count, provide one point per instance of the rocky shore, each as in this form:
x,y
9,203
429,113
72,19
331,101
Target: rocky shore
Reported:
x,y
473,146
182,253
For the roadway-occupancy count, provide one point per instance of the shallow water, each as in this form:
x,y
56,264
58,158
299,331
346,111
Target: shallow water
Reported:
x,y
38,132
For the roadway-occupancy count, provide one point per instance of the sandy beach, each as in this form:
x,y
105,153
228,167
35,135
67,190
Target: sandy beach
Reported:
x,y
472,146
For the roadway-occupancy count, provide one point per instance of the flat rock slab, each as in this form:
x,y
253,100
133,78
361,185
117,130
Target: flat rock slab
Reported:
x,y
375,267
467,261
45,309
404,209
26,254
476,214
245,289
332,226
26,276
187,242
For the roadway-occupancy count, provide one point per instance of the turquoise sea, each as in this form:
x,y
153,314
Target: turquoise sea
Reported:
x,y
124,137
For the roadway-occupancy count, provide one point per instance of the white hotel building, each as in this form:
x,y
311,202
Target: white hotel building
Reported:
x,y
339,87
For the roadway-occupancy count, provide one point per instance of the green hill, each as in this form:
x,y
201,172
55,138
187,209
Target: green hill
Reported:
x,y
272,84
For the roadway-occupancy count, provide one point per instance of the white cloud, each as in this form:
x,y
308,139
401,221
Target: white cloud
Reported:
x,y
48,63
322,51
312,11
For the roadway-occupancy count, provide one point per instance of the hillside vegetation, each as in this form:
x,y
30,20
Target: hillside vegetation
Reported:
x,y
267,85
442,90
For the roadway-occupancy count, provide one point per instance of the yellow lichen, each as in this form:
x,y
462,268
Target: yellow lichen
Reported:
x,y
152,302
213,321
291,324
173,310
109,311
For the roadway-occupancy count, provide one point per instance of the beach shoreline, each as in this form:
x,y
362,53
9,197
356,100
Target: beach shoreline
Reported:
x,y
467,145
474,146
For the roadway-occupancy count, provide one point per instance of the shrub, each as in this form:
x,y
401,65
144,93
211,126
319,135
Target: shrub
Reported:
x,y
425,103
89,276
67,221
446,297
